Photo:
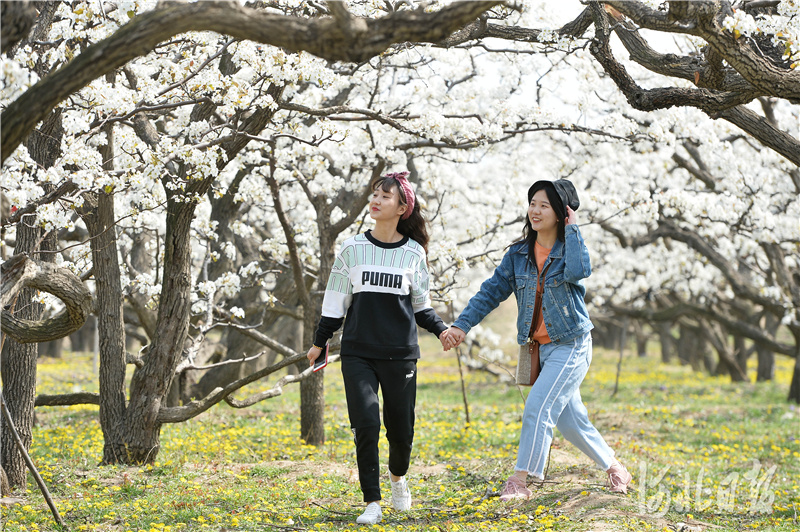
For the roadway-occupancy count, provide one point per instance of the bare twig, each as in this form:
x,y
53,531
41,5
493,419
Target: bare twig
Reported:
x,y
29,462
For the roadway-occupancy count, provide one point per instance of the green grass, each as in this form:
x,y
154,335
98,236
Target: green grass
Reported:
x,y
716,444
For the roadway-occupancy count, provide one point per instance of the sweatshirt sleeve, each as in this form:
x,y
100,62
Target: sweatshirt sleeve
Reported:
x,y
424,314
326,329
337,299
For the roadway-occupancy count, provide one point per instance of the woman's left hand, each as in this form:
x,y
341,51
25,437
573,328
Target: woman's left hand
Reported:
x,y
571,216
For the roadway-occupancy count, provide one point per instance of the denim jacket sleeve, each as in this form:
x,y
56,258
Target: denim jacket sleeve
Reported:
x,y
577,265
493,291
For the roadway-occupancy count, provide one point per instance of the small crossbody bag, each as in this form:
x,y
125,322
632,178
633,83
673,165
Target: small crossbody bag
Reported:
x,y
528,365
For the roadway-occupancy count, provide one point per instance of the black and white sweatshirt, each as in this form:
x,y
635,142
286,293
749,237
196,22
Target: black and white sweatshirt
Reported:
x,y
382,291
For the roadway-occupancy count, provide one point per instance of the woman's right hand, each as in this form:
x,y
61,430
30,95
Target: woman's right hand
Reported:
x,y
454,337
571,217
313,353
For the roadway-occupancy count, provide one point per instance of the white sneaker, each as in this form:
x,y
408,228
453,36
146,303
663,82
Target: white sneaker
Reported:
x,y
372,515
401,495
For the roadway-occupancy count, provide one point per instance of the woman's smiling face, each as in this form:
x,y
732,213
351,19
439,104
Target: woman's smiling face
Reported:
x,y
541,214
385,205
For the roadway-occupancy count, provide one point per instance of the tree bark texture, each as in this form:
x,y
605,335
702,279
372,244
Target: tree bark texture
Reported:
x,y
766,365
108,293
20,271
18,369
794,387
82,340
667,341
101,223
151,382
689,347
766,359
720,94
17,19
703,18
312,392
718,336
5,487
342,38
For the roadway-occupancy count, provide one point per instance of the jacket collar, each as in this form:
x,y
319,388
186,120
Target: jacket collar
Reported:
x,y
556,252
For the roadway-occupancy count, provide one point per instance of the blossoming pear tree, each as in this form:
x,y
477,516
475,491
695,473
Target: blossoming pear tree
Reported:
x,y
209,176
145,140
705,216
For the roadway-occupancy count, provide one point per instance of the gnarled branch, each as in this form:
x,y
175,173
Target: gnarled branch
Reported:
x,y
192,409
717,104
356,40
702,18
20,272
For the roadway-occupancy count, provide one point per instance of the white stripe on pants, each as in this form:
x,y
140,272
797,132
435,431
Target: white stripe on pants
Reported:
x,y
555,400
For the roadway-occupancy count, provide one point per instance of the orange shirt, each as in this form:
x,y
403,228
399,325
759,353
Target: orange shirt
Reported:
x,y
540,333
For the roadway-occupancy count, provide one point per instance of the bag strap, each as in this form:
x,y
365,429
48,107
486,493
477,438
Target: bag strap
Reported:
x,y
537,309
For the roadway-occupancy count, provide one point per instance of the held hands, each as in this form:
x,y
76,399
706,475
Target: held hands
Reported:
x,y
313,353
451,338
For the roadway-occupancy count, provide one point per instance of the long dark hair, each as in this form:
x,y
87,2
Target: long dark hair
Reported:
x,y
528,234
415,226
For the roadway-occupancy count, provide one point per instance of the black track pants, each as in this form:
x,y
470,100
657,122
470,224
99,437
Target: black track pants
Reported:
x,y
398,383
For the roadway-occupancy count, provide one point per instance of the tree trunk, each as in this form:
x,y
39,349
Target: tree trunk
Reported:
x,y
766,365
641,338
312,390
728,364
18,369
667,341
108,295
151,382
225,210
606,334
5,487
766,358
689,347
794,387
98,213
18,361
741,352
140,260
718,335
51,349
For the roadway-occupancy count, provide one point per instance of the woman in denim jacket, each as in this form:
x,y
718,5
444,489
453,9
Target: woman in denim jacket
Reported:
x,y
551,243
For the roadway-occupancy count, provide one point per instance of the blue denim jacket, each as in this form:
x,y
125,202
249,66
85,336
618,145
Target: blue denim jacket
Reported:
x,y
563,308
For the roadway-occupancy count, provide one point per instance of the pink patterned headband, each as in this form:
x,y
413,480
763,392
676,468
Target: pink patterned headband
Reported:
x,y
408,192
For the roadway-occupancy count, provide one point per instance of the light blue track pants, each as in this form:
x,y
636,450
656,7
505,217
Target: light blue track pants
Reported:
x,y
555,401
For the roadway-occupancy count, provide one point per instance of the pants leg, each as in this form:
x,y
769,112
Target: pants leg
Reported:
x,y
398,379
575,426
361,391
564,367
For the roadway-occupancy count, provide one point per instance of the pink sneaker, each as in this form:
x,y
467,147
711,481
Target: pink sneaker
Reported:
x,y
618,478
515,489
